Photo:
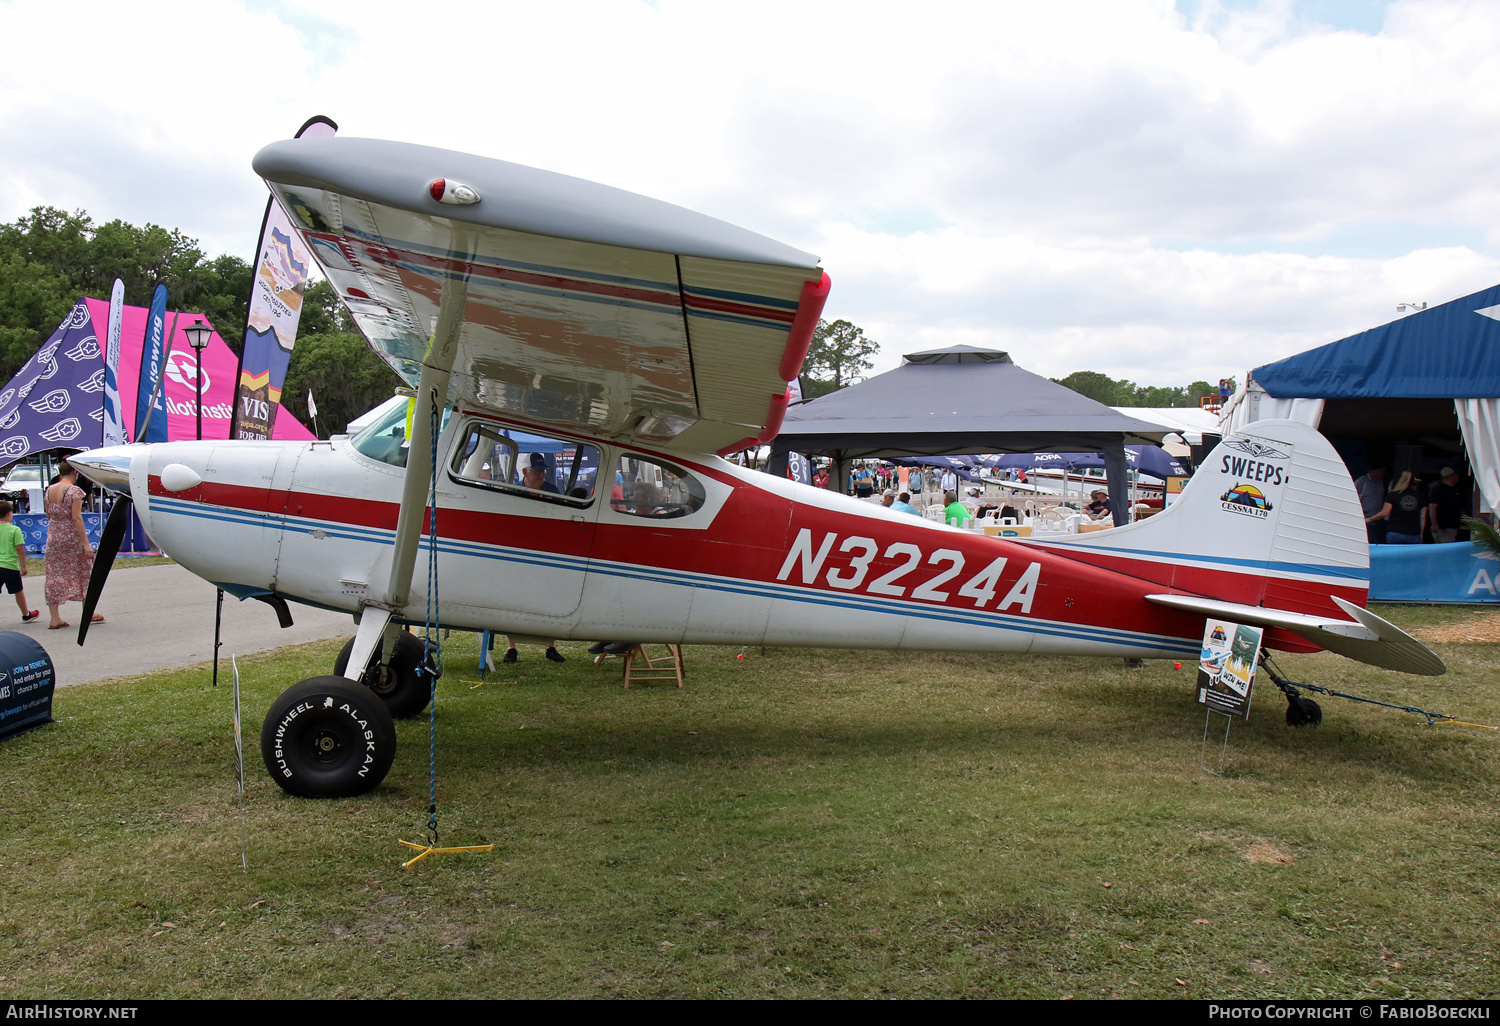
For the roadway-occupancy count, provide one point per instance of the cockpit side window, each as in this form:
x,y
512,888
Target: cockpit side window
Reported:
x,y
536,466
658,491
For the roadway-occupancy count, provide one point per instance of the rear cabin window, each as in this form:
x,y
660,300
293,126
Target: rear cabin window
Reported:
x,y
658,491
536,466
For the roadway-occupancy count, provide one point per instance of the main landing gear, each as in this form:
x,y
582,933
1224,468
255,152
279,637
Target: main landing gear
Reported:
x,y
404,690
331,737
328,737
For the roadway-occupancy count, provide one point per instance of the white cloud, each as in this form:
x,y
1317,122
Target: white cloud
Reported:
x,y
1108,185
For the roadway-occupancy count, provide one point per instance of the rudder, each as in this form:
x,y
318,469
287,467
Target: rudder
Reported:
x,y
1271,518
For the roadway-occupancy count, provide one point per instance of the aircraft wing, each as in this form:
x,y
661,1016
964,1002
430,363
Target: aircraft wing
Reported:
x,y
587,307
1367,638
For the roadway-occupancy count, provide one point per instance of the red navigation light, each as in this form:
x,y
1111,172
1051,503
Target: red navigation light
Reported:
x,y
445,191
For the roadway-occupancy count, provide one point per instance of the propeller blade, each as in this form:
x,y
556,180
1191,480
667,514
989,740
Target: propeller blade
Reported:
x,y
104,558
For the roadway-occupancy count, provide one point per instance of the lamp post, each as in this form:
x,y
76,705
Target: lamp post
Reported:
x,y
198,336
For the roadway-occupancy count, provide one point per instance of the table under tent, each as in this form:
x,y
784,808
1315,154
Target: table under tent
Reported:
x,y
1419,393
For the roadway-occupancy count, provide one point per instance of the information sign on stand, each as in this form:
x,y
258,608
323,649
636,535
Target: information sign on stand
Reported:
x,y
1226,677
26,683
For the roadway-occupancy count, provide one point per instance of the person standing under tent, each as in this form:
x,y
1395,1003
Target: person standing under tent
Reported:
x,y
1405,511
1447,505
1371,489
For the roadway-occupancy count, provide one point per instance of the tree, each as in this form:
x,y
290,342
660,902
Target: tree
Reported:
x,y
31,295
1098,387
1104,389
220,290
839,354
1198,389
345,376
322,311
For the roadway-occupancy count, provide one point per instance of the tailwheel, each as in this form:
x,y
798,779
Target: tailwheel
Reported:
x,y
328,737
400,686
1302,712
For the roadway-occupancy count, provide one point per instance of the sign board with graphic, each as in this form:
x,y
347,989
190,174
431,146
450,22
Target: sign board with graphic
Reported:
x,y
1226,667
27,680
1175,485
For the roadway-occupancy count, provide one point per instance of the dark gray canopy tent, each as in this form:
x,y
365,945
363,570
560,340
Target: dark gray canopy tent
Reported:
x,y
960,400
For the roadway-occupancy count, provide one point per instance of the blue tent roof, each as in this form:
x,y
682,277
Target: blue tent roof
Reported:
x,y
1450,351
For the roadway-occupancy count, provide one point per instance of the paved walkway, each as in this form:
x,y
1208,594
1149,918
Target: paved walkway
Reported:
x,y
160,617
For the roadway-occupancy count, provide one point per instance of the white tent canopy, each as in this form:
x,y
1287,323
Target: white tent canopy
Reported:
x,y
1189,422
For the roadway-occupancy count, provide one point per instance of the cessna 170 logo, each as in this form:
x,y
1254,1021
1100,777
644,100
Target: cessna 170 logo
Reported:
x,y
1248,500
1246,497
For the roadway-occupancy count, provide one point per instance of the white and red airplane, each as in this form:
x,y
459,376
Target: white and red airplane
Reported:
x,y
589,351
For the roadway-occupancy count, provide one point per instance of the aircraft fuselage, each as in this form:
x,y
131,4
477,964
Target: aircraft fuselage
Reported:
x,y
761,561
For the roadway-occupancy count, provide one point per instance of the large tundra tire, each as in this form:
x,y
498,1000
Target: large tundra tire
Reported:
x,y
328,737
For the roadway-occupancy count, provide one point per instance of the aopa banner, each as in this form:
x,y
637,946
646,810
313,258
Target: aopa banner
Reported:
x,y
281,270
1454,572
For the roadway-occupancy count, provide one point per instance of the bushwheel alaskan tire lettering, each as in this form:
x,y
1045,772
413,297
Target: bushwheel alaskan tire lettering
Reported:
x,y
328,737
404,691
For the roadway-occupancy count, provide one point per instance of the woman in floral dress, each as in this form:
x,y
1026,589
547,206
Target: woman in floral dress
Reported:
x,y
70,557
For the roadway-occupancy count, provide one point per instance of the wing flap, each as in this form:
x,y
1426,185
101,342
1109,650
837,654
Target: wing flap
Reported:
x,y
1367,638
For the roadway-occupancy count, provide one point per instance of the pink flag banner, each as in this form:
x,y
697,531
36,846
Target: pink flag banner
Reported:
x,y
180,385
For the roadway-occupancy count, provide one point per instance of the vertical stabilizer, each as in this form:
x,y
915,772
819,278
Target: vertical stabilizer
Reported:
x,y
1271,518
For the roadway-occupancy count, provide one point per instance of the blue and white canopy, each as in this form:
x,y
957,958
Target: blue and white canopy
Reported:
x,y
1451,351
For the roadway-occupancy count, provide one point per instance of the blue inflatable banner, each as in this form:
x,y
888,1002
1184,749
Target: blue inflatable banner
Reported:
x,y
1458,572
150,397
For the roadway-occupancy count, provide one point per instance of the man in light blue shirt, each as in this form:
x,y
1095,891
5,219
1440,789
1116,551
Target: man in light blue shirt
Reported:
x,y
901,505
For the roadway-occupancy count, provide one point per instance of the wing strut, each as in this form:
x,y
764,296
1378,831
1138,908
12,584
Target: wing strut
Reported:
x,y
437,366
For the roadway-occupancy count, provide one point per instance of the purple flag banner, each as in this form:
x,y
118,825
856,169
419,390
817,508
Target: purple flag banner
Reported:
x,y
56,400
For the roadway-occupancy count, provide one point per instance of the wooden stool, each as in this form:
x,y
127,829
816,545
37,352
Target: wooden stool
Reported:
x,y
641,665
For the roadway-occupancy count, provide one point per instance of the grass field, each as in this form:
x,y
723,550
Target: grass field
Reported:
x,y
807,823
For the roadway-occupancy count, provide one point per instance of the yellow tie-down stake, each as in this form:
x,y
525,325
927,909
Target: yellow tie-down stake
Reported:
x,y
427,849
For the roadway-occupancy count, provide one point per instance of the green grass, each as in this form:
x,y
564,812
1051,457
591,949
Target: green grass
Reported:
x,y
36,565
808,823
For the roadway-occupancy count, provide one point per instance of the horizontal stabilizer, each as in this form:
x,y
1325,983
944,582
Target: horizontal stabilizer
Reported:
x,y
1367,637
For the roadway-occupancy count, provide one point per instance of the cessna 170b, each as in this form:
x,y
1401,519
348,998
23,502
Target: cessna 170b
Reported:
x,y
579,355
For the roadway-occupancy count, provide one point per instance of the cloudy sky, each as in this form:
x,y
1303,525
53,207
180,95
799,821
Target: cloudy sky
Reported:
x,y
1153,189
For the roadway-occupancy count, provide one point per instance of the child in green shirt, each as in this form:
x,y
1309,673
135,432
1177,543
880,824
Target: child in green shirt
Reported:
x,y
13,561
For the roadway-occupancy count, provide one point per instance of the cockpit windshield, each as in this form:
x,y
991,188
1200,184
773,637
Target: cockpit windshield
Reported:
x,y
385,438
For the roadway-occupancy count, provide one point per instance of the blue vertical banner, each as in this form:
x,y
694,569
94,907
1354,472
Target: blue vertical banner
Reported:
x,y
150,398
